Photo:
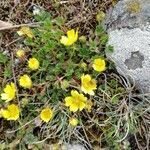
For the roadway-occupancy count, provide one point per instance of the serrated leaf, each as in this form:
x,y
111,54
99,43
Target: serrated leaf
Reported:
x,y
3,58
104,39
109,49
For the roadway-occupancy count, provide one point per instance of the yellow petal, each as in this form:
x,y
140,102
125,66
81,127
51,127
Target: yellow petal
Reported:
x,y
88,84
87,91
70,42
20,33
68,101
7,88
71,34
76,36
13,111
71,38
25,31
76,101
89,105
13,86
4,96
74,93
30,35
82,106
85,78
73,121
82,97
5,114
91,92
64,40
20,53
9,92
73,107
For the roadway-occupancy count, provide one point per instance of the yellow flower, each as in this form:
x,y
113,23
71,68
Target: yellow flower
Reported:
x,y
20,53
76,101
89,105
73,121
25,81
99,65
71,38
25,31
33,63
9,92
88,84
100,16
46,114
11,113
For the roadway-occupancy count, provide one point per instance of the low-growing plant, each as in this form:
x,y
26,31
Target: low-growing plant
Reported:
x,y
60,89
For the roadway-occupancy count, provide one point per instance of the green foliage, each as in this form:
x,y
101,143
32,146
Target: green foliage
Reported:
x,y
3,58
29,138
8,70
55,58
109,49
60,71
104,39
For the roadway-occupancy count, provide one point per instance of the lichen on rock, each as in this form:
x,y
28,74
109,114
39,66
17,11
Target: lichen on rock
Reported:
x,y
129,34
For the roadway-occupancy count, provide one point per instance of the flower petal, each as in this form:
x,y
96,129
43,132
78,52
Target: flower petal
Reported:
x,y
4,96
14,112
73,107
81,106
71,34
64,40
74,93
76,36
68,101
83,98
5,114
20,33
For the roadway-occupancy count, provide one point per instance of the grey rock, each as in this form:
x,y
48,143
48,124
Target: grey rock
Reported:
x,y
75,147
129,34
128,13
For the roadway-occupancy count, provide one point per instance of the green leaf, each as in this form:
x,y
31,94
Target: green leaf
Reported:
x,y
115,99
104,39
84,52
8,71
109,49
47,24
29,138
3,58
99,30
42,16
93,45
59,21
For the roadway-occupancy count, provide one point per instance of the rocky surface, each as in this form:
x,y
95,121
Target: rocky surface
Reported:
x,y
75,147
128,14
128,26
